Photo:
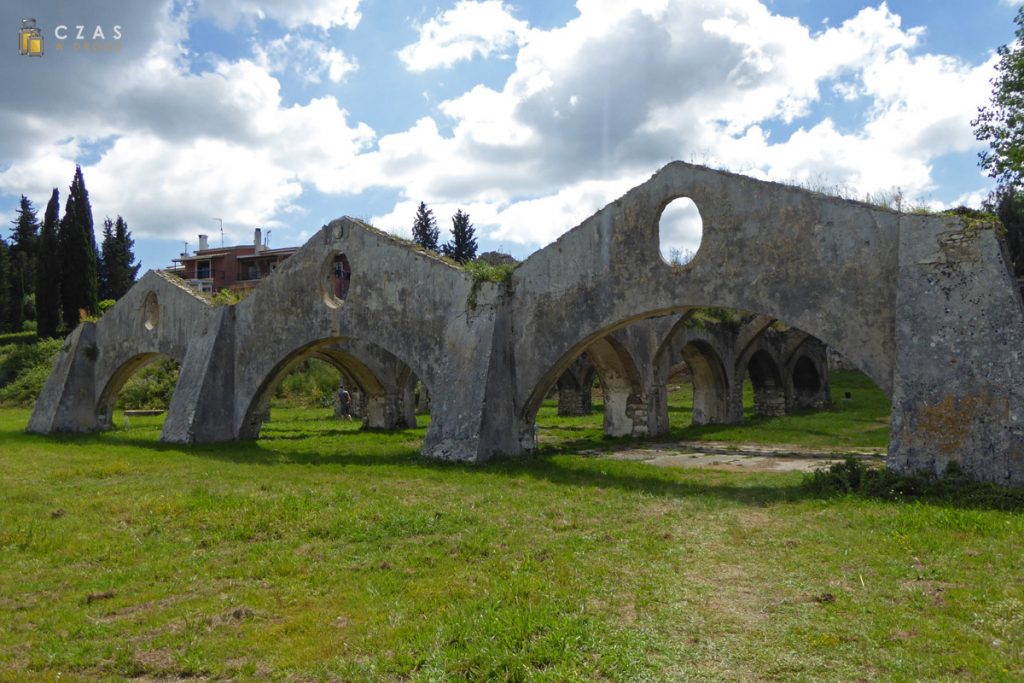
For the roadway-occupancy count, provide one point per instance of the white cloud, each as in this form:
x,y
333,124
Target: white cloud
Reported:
x,y
337,65
626,87
470,28
181,147
591,109
291,14
307,58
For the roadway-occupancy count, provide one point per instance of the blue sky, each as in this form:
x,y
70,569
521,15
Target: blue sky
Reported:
x,y
529,115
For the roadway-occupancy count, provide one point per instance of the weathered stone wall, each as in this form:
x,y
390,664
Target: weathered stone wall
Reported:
x,y
959,370
923,304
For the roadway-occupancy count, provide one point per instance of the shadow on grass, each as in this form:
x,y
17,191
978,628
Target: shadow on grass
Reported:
x,y
564,466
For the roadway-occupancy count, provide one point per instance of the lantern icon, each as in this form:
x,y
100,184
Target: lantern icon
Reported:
x,y
30,39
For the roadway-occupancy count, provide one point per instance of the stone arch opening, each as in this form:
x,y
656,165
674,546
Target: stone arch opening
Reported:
x,y
807,383
381,402
607,361
721,345
680,231
805,375
710,383
146,381
625,411
575,388
769,391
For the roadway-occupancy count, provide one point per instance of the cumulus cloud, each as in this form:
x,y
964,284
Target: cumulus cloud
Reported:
x,y
591,108
219,142
468,29
291,14
626,87
307,58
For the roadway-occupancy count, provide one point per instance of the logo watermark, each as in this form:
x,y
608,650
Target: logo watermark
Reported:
x,y
30,39
76,38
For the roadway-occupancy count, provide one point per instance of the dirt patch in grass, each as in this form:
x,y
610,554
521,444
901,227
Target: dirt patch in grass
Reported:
x,y
738,456
135,610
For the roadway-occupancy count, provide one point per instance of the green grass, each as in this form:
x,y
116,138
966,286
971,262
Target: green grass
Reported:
x,y
321,552
862,422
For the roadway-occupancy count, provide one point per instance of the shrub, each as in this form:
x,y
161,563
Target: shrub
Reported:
x,y
952,488
24,368
151,387
312,384
26,337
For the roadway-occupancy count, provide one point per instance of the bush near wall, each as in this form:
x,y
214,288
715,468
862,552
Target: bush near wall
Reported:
x,y
19,338
24,368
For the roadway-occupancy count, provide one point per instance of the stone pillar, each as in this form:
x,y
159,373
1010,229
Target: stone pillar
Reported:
x,y
202,407
958,384
408,405
384,410
574,401
575,387
473,412
422,400
67,402
769,400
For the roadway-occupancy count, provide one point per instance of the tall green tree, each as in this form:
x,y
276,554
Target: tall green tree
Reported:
x,y
17,296
5,288
1000,123
25,241
117,267
106,261
78,287
22,255
129,268
424,228
462,247
48,271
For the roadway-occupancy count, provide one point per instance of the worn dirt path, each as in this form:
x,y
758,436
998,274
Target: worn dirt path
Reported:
x,y
737,456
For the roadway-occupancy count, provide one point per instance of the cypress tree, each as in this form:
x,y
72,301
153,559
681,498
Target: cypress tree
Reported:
x,y
48,271
25,243
462,248
117,267
21,264
424,228
5,287
17,264
107,261
78,255
127,268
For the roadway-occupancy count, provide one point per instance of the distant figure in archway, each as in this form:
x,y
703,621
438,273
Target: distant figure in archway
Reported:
x,y
343,406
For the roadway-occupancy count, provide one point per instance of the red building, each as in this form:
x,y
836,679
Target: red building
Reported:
x,y
235,268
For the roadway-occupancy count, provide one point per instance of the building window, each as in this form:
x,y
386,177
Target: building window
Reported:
x,y
203,270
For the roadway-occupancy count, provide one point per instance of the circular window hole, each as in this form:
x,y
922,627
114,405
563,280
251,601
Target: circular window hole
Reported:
x,y
151,312
335,280
679,231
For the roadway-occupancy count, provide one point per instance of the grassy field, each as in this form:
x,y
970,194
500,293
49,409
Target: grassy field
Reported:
x,y
861,422
321,552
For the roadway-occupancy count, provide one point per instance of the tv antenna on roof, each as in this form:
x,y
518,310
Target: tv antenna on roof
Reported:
x,y
221,231
266,240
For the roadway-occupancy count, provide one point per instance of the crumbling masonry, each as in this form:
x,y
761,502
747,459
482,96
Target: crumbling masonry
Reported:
x,y
925,305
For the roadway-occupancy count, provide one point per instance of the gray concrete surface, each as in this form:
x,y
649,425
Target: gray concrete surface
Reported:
x,y
925,305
